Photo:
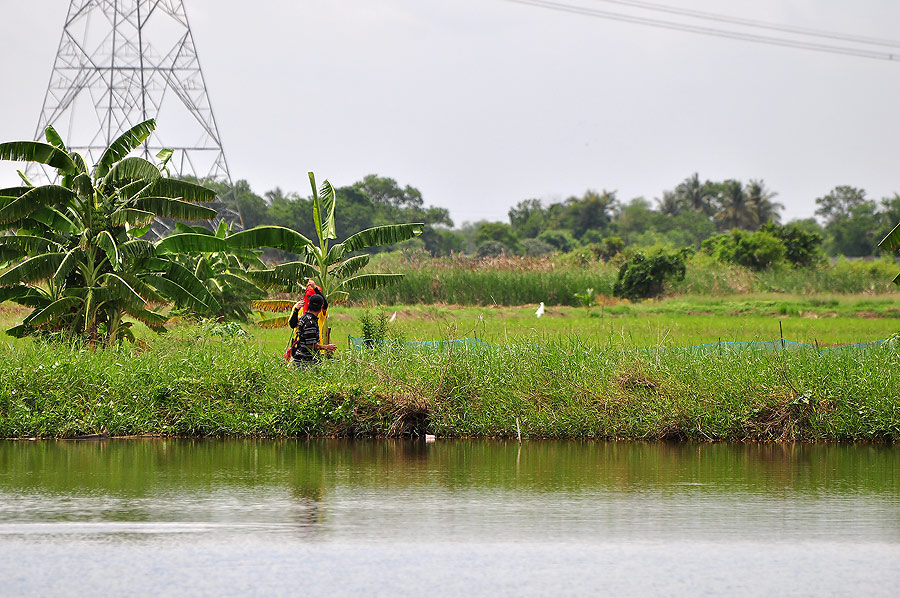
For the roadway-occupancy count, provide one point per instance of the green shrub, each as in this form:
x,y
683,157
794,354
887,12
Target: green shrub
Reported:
x,y
608,248
536,248
490,249
757,251
560,239
803,248
642,277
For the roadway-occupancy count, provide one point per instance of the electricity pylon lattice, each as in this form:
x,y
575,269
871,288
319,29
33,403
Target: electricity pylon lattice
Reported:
x,y
121,62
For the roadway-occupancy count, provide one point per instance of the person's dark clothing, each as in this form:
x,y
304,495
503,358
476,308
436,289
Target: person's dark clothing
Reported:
x,y
306,335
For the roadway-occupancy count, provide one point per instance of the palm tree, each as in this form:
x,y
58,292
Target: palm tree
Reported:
x,y
735,211
696,195
760,200
79,260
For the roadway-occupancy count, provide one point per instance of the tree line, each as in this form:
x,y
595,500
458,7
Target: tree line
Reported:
x,y
846,220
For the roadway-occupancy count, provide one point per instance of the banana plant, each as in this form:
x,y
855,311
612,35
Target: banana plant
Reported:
x,y
224,272
78,259
333,266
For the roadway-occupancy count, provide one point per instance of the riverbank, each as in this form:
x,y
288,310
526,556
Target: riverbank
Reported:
x,y
192,383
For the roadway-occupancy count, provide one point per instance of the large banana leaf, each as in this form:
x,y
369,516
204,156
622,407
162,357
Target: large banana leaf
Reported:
x,y
892,240
323,209
298,271
137,248
119,288
174,208
45,195
130,169
175,189
66,266
177,294
185,279
27,244
55,309
42,153
147,292
242,283
269,279
13,192
105,241
368,281
34,269
350,267
382,235
190,243
54,139
132,217
152,319
276,237
55,220
181,227
124,145
25,295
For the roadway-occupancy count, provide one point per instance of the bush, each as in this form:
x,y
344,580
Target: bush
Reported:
x,y
536,248
561,239
608,248
803,248
642,277
757,251
490,249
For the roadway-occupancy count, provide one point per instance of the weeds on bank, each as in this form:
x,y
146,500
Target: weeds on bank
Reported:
x,y
195,383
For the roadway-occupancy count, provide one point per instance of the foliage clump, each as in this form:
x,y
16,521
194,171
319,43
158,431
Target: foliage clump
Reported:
x,y
758,250
642,277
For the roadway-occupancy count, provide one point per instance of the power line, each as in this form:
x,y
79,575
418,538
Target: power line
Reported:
x,y
710,31
720,18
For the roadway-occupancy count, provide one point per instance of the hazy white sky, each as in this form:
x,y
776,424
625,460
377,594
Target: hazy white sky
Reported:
x,y
483,103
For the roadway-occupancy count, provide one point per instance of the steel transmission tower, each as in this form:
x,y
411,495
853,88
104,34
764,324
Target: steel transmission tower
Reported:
x,y
121,62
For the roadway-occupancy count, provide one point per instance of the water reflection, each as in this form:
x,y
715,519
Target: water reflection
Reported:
x,y
587,491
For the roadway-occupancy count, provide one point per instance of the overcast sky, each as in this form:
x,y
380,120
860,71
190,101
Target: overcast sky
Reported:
x,y
483,103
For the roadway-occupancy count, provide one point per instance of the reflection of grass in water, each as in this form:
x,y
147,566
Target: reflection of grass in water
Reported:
x,y
192,383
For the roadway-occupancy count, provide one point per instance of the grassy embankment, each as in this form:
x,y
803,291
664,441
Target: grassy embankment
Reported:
x,y
193,384
577,372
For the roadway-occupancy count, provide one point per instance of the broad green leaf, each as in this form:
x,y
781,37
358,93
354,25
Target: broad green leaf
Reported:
x,y
80,164
25,295
174,208
350,267
323,209
45,195
276,237
186,279
54,139
175,189
14,192
34,269
54,220
222,229
298,271
335,254
27,244
368,281
382,235
66,266
105,241
155,321
164,155
132,217
124,145
241,283
892,240
121,289
42,153
181,227
58,308
190,243
176,293
129,170
137,248
83,185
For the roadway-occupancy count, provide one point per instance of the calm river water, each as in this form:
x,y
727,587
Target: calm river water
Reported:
x,y
279,518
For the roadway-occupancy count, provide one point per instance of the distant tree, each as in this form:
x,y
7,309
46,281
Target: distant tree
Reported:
x,y
761,204
641,277
697,196
670,204
560,240
852,221
385,190
803,248
490,248
536,248
734,210
756,250
528,218
499,232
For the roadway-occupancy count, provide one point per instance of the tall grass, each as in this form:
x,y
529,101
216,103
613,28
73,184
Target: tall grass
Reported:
x,y
556,281
192,384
